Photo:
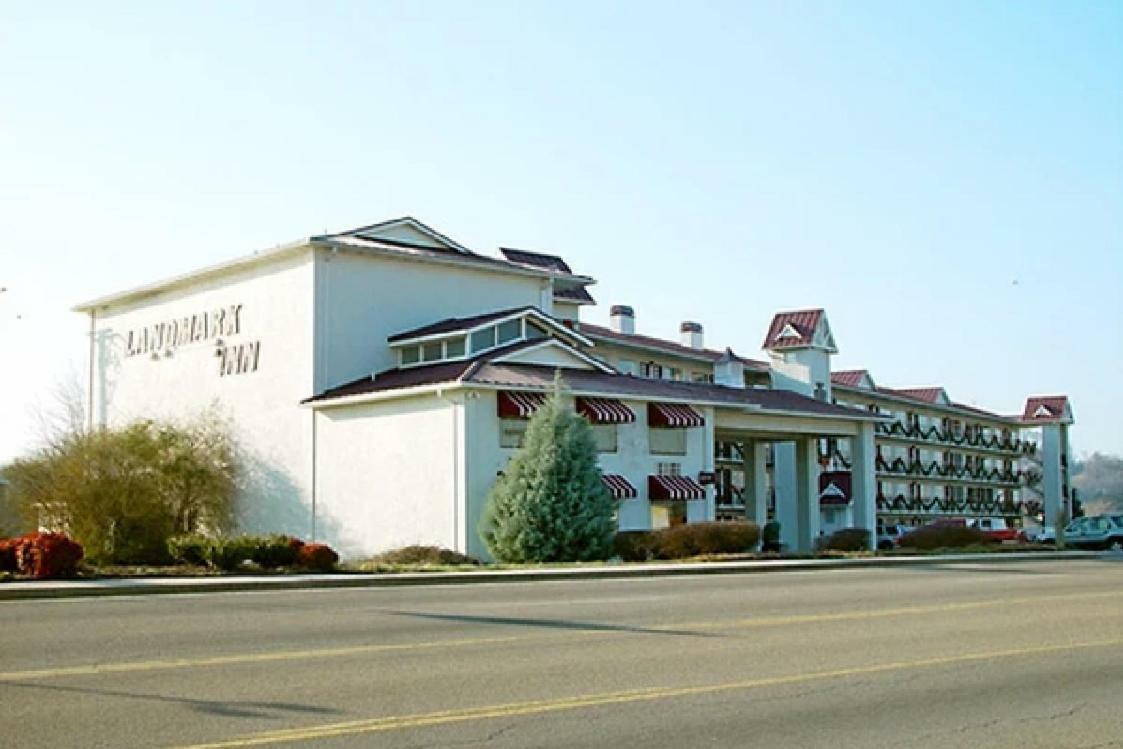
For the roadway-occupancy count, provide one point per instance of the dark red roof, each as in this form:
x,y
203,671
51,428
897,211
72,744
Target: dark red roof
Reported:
x,y
538,377
1054,404
536,259
928,394
600,332
574,294
850,377
803,322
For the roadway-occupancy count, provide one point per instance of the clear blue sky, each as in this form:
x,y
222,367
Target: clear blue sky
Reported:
x,y
946,179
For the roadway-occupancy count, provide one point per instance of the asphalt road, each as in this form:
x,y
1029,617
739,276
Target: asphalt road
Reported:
x,y
988,655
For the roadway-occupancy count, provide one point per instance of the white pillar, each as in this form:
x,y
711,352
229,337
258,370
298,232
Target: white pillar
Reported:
x,y
863,481
756,482
784,481
807,493
1052,474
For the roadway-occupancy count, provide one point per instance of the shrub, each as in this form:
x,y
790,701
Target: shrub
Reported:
x,y
274,551
123,492
694,539
550,504
47,555
944,536
634,546
318,557
687,540
8,554
423,555
228,553
190,549
847,539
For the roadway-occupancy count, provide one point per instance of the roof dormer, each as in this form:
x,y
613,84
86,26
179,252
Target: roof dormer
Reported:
x,y
458,338
801,329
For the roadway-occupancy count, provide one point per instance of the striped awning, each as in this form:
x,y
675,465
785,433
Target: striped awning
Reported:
x,y
513,404
618,486
605,411
673,415
673,487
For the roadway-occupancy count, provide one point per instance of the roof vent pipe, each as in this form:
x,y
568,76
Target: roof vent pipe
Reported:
x,y
623,319
691,334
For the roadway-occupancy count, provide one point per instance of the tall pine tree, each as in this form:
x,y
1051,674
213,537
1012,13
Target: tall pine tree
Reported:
x,y
550,504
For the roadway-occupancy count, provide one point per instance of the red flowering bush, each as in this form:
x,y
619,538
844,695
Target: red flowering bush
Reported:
x,y
47,555
318,557
8,554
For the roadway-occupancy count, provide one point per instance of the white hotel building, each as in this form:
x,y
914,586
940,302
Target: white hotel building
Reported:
x,y
379,380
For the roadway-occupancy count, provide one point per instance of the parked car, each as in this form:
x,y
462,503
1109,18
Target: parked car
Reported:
x,y
1096,532
889,536
996,528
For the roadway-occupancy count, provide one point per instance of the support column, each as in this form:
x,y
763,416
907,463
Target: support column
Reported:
x,y
784,481
756,482
1052,474
807,493
863,481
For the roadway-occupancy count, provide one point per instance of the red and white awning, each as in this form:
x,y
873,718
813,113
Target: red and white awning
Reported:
x,y
605,411
673,415
618,486
673,488
513,404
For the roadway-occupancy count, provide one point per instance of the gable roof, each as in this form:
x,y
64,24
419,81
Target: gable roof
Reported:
x,y
934,395
855,378
797,329
384,238
598,332
408,232
1047,408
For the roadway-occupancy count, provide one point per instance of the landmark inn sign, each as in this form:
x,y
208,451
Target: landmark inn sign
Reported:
x,y
203,326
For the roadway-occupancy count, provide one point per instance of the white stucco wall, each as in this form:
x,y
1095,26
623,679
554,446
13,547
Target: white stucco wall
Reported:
x,y
364,299
275,313
388,474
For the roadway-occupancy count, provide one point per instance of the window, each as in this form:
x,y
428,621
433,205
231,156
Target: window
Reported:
x,y
667,441
454,348
668,469
701,376
483,339
431,352
604,435
674,373
651,370
411,355
626,366
512,432
533,332
509,331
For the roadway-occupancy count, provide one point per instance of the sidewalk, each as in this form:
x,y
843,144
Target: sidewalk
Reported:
x,y
29,589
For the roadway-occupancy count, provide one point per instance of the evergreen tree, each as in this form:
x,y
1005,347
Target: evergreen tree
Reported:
x,y
550,504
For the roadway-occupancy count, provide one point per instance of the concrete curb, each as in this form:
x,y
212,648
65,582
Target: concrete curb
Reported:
x,y
24,590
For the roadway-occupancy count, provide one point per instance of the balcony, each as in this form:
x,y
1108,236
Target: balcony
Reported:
x,y
902,505
899,467
935,435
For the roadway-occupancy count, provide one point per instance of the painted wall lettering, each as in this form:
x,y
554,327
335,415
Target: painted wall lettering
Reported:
x,y
170,334
239,359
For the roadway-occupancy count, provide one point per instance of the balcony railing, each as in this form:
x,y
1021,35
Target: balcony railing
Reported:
x,y
901,504
918,469
969,439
